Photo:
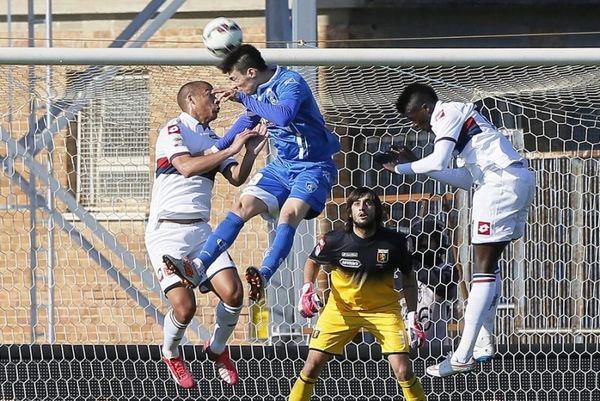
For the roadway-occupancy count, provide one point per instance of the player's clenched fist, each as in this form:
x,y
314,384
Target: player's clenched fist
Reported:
x,y
309,301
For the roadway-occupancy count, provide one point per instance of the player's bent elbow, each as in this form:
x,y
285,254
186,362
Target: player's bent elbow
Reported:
x,y
186,172
436,166
236,182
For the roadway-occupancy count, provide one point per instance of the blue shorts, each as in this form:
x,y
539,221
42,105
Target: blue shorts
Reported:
x,y
280,180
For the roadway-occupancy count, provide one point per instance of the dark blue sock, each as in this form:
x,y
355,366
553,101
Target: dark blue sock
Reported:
x,y
221,239
282,244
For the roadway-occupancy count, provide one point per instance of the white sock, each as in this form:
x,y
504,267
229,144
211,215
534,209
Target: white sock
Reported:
x,y
483,292
487,329
172,335
225,321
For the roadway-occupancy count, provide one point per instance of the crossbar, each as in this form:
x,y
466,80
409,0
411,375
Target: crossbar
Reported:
x,y
307,56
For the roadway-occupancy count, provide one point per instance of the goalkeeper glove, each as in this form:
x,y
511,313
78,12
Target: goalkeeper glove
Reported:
x,y
416,334
309,301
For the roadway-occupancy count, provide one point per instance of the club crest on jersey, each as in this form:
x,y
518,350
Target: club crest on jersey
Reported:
x,y
271,97
311,187
174,129
484,228
383,255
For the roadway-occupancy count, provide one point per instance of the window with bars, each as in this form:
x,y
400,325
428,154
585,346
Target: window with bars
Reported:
x,y
113,153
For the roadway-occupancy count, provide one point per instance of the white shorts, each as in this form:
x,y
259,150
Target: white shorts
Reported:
x,y
501,205
179,240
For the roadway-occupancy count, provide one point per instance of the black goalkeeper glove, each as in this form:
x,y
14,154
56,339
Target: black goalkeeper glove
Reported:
x,y
393,156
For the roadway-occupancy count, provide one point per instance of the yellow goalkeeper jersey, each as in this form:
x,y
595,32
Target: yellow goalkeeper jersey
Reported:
x,y
362,278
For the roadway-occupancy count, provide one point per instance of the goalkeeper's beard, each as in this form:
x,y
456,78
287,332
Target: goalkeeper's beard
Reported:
x,y
366,225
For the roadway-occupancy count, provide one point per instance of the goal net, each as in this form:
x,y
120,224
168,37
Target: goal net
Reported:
x,y
81,310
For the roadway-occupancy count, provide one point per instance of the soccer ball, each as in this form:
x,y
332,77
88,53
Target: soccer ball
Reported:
x,y
221,36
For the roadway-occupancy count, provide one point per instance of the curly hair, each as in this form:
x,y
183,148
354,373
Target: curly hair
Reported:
x,y
355,195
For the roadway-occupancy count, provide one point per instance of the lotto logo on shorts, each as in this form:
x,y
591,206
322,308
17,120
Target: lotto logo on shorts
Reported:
x,y
484,228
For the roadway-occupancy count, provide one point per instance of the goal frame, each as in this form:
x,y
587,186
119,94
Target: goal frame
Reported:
x,y
307,56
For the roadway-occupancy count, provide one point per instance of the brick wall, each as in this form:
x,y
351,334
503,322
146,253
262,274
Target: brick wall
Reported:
x,y
89,306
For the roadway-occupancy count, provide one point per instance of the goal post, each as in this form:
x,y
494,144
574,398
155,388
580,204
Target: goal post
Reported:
x,y
308,56
78,294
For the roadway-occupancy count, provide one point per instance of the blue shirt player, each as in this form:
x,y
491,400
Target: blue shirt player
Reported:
x,y
294,186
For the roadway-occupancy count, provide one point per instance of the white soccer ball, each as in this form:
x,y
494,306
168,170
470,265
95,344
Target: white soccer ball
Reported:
x,y
221,36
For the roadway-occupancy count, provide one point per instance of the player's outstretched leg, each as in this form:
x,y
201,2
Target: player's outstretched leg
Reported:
x,y
184,269
223,363
257,284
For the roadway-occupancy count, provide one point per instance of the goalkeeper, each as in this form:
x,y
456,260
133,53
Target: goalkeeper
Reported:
x,y
363,259
504,189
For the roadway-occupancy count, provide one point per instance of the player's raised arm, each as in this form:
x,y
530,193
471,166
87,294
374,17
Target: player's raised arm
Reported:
x,y
189,165
245,121
237,174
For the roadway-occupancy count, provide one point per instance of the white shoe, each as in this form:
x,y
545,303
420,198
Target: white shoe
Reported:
x,y
450,367
484,349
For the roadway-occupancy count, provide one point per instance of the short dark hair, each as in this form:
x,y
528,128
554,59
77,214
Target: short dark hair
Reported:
x,y
355,195
242,58
415,93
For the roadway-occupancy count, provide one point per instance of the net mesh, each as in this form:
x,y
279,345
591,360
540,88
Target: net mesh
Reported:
x,y
75,273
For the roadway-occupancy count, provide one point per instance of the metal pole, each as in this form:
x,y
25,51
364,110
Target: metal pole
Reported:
x,y
279,24
284,319
304,23
9,78
33,245
159,21
51,332
307,56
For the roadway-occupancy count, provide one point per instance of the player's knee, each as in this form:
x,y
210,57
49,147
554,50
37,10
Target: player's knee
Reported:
x,y
184,310
234,294
291,217
244,209
314,363
403,372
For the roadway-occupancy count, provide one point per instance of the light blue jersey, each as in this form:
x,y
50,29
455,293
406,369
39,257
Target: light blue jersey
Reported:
x,y
295,123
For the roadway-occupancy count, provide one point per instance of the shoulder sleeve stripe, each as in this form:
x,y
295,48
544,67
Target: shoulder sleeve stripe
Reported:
x,y
178,154
445,138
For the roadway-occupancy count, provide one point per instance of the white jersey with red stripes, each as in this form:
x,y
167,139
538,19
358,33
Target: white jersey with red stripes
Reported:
x,y
479,144
174,196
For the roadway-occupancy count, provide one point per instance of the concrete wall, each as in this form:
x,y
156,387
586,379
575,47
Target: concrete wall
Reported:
x,y
341,23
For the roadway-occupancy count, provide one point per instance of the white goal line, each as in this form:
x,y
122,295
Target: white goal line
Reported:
x,y
307,56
